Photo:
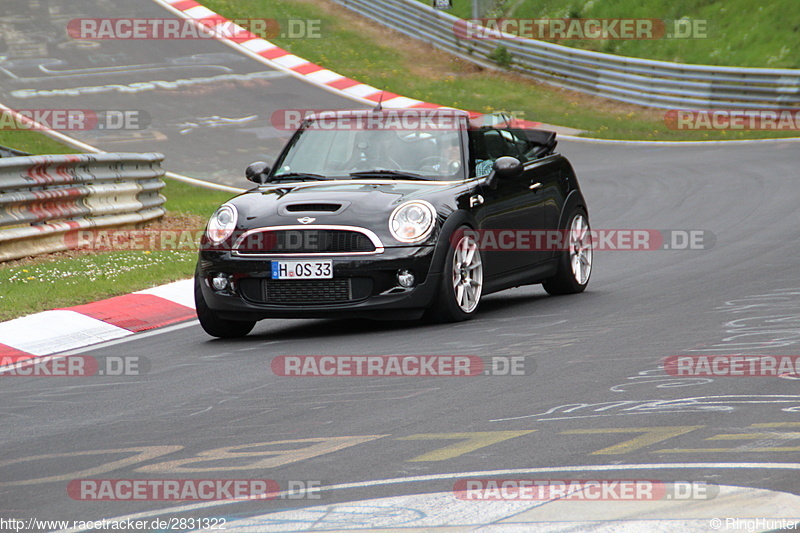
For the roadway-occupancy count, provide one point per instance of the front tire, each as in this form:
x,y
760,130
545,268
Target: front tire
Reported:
x,y
575,262
462,280
212,323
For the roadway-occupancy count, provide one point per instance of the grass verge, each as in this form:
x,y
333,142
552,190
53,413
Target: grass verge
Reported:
x,y
733,32
54,283
33,142
365,51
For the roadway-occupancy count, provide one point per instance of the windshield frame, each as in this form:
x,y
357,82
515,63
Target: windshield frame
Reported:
x,y
464,172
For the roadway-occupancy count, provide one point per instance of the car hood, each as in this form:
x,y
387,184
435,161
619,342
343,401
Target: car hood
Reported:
x,y
366,204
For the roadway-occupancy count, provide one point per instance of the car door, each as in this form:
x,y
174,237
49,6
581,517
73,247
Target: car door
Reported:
x,y
544,180
552,170
510,210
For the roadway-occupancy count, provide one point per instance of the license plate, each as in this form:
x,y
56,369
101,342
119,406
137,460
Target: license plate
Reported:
x,y
302,269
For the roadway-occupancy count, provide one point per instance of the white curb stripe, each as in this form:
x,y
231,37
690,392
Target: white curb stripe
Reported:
x,y
361,90
401,101
290,61
199,12
54,331
179,292
324,76
258,45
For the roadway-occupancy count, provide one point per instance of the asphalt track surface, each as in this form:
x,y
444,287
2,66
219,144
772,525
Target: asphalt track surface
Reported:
x,y
592,360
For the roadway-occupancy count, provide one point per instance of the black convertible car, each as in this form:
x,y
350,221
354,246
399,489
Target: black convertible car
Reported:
x,y
391,214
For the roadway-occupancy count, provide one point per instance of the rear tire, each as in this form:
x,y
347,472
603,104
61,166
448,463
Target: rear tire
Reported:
x,y
575,262
212,323
462,280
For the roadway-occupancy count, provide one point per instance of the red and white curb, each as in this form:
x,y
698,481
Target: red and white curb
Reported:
x,y
75,327
276,57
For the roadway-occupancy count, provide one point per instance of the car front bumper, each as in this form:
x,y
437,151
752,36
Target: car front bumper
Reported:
x,y
370,283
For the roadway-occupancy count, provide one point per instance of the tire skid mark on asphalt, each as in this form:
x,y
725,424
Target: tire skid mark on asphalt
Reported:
x,y
770,316
719,403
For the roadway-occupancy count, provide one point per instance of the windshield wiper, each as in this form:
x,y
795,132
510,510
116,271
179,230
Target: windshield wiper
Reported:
x,y
387,172
302,175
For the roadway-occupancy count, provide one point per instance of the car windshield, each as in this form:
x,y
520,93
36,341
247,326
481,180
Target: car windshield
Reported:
x,y
337,150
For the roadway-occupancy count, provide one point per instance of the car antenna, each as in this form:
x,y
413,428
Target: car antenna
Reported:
x,y
379,107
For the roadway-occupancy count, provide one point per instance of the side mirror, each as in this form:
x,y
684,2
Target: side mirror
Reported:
x,y
257,172
505,167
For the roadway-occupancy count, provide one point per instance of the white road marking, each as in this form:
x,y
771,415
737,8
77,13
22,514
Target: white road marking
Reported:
x,y
444,510
462,475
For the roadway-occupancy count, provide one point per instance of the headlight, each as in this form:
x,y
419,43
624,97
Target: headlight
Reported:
x,y
222,223
412,221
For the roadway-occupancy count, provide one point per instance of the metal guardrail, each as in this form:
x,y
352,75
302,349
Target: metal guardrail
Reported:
x,y
46,199
640,81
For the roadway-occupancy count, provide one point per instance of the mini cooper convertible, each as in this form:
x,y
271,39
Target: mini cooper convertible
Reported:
x,y
393,214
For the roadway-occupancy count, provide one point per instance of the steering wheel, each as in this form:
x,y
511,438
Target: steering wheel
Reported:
x,y
372,163
444,164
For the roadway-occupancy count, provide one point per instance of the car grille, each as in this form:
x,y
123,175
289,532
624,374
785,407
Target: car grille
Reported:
x,y
304,241
305,291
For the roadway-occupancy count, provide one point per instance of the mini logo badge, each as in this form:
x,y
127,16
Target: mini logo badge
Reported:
x,y
306,220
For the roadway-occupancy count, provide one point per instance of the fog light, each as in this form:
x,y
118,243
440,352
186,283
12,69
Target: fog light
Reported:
x,y
219,282
405,278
